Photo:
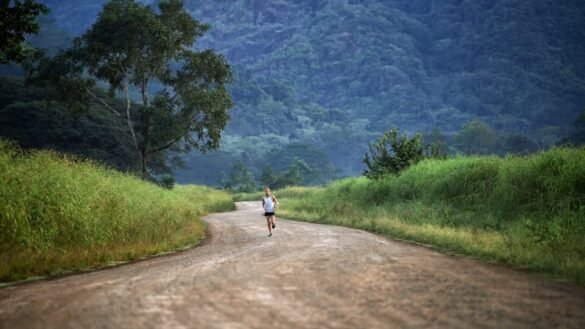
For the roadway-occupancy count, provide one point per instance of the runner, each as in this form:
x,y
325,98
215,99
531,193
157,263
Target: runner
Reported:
x,y
269,204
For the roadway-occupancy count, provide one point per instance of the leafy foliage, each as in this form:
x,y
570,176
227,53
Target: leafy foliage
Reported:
x,y
167,182
291,177
519,144
438,148
313,163
391,154
240,179
476,137
257,152
18,18
132,45
577,136
97,134
337,74
268,177
294,176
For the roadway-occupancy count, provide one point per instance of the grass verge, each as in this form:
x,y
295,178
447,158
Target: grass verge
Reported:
x,y
60,214
528,212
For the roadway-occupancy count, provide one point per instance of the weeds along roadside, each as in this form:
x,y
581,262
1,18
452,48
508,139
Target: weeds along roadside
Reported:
x,y
528,212
60,214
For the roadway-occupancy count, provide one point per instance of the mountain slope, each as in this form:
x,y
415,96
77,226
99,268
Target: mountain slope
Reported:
x,y
338,73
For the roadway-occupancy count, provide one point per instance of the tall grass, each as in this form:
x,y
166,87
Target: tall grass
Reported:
x,y
57,213
525,211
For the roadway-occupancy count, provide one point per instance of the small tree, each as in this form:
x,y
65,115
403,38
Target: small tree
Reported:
x,y
167,182
577,137
134,46
294,176
17,19
240,179
519,144
268,177
476,137
437,149
391,154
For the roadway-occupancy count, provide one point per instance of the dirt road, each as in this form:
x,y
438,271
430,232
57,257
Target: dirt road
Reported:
x,y
305,276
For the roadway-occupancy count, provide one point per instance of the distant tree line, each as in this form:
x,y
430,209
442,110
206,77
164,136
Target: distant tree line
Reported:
x,y
241,179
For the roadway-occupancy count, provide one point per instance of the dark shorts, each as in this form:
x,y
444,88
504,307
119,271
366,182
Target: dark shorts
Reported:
x,y
268,214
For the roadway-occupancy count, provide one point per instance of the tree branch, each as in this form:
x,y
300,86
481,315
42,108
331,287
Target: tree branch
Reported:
x,y
106,105
129,119
166,146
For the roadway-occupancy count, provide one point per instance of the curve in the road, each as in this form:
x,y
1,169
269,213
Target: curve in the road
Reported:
x,y
305,276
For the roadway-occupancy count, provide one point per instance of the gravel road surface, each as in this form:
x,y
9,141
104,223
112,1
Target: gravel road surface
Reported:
x,y
304,276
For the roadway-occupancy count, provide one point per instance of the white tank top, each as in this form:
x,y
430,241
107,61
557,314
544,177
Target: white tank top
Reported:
x,y
268,204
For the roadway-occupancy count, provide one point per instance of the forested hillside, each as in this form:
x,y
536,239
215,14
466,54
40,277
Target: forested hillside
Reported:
x,y
26,118
334,75
517,65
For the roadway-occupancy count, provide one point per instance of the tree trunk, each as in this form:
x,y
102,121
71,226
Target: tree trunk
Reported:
x,y
131,127
143,164
145,117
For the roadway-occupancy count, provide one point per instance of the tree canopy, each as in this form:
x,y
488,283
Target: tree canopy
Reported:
x,y
392,153
476,137
337,74
240,179
132,47
18,18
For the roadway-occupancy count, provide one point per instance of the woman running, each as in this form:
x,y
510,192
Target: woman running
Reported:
x,y
269,204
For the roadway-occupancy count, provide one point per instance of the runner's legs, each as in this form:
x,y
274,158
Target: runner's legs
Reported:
x,y
269,223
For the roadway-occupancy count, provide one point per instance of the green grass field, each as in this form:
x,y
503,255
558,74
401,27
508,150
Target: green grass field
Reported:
x,y
528,212
59,214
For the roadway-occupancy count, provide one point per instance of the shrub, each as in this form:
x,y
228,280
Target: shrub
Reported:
x,y
167,182
391,154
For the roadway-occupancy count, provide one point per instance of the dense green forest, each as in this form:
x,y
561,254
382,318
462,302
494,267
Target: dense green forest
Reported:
x,y
26,117
318,80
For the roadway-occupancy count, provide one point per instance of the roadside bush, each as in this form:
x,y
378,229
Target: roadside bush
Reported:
x,y
391,154
167,182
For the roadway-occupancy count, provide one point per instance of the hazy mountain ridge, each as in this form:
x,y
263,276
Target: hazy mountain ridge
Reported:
x,y
338,73
337,48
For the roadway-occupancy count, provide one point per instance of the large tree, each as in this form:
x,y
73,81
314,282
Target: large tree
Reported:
x,y
17,19
135,48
